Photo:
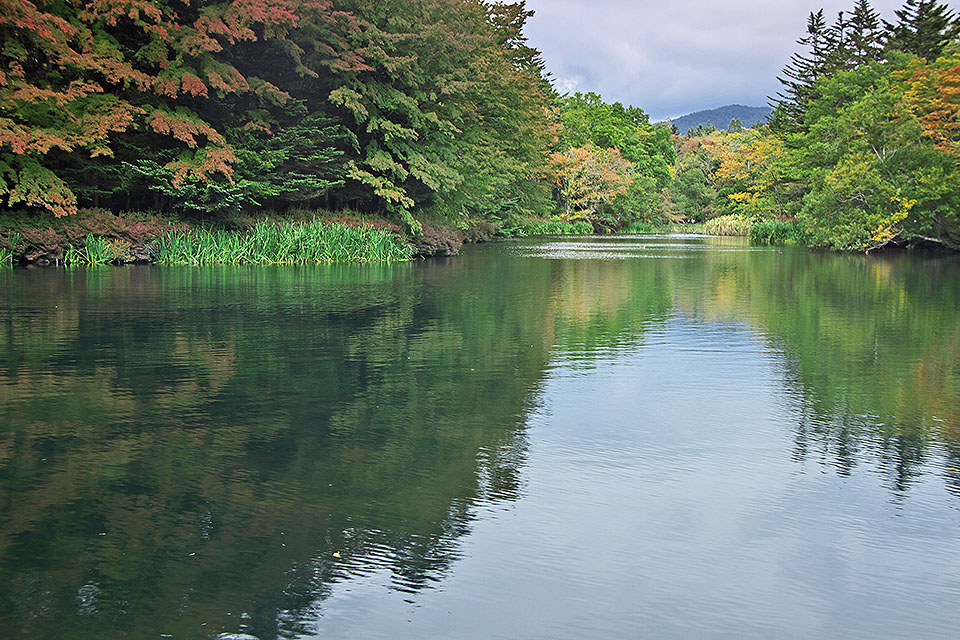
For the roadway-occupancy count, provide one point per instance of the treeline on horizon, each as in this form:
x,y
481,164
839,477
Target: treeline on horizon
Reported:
x,y
440,109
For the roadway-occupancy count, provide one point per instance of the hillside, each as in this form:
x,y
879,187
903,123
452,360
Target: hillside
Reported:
x,y
721,117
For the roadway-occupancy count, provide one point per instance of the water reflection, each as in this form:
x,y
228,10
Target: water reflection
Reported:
x,y
293,451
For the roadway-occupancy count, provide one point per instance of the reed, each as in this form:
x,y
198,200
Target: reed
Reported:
x,y
555,226
729,225
7,249
96,251
778,232
281,243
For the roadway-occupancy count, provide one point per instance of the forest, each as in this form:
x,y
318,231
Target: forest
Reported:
x,y
125,122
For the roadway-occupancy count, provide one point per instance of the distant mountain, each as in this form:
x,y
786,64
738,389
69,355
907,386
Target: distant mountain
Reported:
x,y
721,117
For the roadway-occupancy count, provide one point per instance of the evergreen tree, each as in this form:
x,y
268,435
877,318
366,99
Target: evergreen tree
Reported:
x,y
735,126
866,34
923,28
800,74
839,47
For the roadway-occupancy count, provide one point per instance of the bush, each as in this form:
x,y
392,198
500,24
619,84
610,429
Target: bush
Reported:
x,y
94,234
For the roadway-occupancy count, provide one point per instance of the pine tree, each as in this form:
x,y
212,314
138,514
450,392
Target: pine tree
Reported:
x,y
839,47
800,74
866,34
923,28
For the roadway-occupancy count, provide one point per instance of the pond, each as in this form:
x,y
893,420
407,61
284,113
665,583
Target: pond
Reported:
x,y
633,436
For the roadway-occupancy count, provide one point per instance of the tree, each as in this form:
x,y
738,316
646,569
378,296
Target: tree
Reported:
x,y
588,120
933,94
799,76
80,76
866,34
923,28
449,113
753,173
590,177
873,177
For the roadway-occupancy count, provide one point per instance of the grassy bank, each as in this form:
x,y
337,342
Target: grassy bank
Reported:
x,y
650,227
98,237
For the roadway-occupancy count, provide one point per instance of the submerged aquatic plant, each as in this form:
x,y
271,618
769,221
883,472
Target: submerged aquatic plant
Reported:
x,y
281,243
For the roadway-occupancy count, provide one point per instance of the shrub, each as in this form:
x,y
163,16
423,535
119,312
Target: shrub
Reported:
x,y
96,233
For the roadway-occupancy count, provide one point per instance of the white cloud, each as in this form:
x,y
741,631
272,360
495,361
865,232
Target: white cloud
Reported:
x,y
674,58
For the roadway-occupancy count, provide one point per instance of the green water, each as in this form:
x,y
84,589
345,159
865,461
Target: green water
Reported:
x,y
574,438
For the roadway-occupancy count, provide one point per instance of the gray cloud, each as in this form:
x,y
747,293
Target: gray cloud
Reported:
x,y
678,57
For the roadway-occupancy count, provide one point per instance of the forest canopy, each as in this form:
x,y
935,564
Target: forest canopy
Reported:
x,y
440,108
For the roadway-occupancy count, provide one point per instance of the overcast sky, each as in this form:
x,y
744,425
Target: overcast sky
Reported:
x,y
673,58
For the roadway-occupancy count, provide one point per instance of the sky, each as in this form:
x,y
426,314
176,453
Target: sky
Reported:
x,y
677,57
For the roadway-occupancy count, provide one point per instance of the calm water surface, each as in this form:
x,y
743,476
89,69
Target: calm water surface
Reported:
x,y
632,437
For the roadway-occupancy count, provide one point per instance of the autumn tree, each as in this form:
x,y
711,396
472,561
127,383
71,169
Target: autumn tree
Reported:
x,y
933,94
81,76
590,179
753,173
873,177
589,121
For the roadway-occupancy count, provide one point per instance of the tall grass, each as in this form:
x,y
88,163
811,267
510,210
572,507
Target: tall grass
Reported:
x,y
7,248
96,251
778,232
729,225
281,243
548,227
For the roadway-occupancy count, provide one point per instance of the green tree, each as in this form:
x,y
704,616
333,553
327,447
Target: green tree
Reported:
x,y
866,34
923,28
873,177
588,120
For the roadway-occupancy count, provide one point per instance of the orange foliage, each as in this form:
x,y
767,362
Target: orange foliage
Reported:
x,y
934,96
90,65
